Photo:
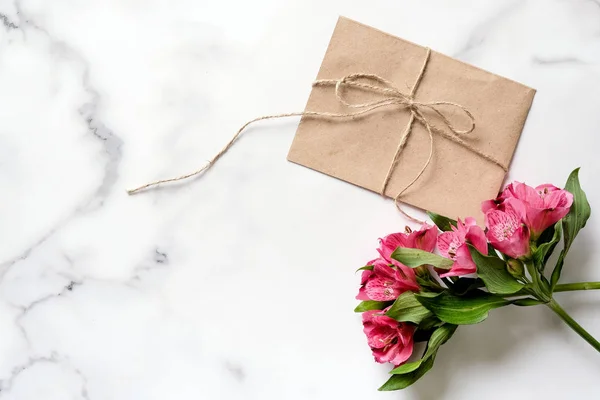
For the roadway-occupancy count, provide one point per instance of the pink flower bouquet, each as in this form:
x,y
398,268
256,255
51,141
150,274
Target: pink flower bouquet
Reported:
x,y
411,294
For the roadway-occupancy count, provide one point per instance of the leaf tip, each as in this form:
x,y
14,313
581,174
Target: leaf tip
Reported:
x,y
574,174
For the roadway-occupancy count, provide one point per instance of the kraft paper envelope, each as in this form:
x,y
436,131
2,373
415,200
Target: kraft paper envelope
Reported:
x,y
360,150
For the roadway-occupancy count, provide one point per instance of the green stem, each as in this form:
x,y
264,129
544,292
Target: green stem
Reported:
x,y
553,305
567,287
539,287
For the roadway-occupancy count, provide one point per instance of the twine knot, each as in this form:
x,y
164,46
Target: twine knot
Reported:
x,y
389,95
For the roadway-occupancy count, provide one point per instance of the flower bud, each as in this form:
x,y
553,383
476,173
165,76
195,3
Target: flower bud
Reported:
x,y
515,268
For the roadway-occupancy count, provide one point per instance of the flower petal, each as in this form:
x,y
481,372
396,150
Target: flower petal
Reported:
x,y
476,236
381,289
448,242
425,238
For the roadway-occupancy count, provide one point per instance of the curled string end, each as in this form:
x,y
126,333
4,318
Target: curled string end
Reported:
x,y
131,192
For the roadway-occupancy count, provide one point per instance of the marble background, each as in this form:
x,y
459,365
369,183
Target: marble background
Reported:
x,y
241,285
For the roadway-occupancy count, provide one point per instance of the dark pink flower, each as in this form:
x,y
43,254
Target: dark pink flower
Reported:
x,y
390,341
507,232
423,239
543,206
386,281
453,245
389,278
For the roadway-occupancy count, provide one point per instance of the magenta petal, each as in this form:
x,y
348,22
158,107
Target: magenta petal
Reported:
x,y
506,232
381,289
366,274
445,239
463,265
558,199
568,200
426,238
516,246
406,332
391,242
385,355
384,270
381,336
521,241
389,340
476,236
516,206
488,205
547,187
553,199
368,317
464,259
405,274
403,355
391,323
384,253
408,286
539,220
448,242
528,195
362,294
470,221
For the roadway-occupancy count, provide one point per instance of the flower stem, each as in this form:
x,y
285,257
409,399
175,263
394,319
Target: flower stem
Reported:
x,y
568,287
553,305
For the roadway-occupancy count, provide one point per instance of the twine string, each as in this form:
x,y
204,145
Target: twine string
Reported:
x,y
388,95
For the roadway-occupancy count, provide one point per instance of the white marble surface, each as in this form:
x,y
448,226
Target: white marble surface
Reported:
x,y
241,285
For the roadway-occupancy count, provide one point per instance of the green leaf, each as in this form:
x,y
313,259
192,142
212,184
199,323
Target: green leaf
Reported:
x,y
397,382
573,222
407,308
366,267
462,310
544,251
528,302
415,258
493,272
438,338
444,223
368,305
429,283
428,324
557,270
539,285
580,211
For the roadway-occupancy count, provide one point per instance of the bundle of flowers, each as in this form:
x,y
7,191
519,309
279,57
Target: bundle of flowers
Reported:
x,y
412,294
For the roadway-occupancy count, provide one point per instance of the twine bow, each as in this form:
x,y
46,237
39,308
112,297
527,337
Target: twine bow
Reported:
x,y
390,96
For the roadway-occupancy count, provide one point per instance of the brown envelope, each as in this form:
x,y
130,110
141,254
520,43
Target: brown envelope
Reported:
x,y
360,150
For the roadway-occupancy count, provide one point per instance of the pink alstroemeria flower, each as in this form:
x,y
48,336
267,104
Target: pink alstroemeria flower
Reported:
x,y
507,232
453,245
389,278
390,341
386,282
423,239
543,206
